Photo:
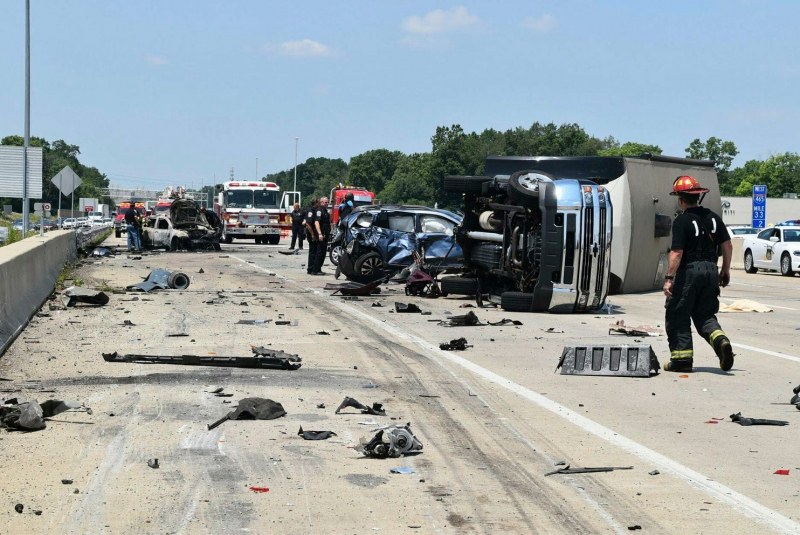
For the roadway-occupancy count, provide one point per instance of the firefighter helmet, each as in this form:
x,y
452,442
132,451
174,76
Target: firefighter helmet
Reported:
x,y
688,185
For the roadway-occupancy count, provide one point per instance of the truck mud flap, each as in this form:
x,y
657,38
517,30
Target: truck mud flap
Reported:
x,y
610,360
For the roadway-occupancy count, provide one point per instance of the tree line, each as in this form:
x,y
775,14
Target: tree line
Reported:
x,y
416,178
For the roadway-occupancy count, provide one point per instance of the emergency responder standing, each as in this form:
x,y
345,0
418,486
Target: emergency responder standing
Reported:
x,y
311,235
692,282
322,224
298,215
132,228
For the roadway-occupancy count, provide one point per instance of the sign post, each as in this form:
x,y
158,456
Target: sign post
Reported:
x,y
66,181
759,206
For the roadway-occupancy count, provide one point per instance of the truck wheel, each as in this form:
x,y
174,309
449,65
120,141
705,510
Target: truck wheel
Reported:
x,y
257,241
786,265
516,301
117,233
369,264
217,246
178,281
274,240
523,187
336,250
227,239
464,184
174,244
748,262
459,286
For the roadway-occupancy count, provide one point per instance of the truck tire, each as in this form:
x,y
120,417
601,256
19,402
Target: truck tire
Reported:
x,y
274,240
174,245
516,301
178,281
117,233
459,286
227,239
523,187
464,184
749,266
368,264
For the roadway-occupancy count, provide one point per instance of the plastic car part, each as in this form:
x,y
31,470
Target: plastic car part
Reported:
x,y
263,358
376,409
609,360
741,420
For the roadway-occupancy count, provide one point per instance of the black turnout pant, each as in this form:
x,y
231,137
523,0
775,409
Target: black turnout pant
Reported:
x,y
297,236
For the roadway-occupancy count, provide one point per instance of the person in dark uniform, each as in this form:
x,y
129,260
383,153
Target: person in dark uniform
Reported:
x,y
692,282
298,215
311,235
133,226
322,225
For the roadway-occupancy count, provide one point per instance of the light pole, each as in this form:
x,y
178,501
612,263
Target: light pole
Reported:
x,y
295,163
25,201
257,169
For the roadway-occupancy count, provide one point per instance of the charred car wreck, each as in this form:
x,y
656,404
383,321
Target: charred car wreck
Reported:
x,y
533,241
183,227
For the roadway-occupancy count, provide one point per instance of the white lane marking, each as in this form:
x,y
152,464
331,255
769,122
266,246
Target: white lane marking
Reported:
x,y
767,352
738,501
766,304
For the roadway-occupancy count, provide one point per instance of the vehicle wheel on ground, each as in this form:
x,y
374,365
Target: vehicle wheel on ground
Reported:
x,y
516,301
336,251
257,241
369,264
786,265
217,247
748,262
174,245
273,240
458,286
523,187
227,239
178,281
464,184
117,233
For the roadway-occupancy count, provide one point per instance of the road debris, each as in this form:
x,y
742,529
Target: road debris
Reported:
x,y
315,435
587,470
796,398
392,441
163,279
354,288
252,409
459,344
640,330
262,358
376,409
31,416
402,470
744,305
504,321
782,472
609,360
153,463
260,490
465,320
253,322
75,294
741,420
406,307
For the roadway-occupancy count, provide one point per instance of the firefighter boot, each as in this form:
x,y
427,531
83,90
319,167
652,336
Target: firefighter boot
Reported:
x,y
724,350
678,365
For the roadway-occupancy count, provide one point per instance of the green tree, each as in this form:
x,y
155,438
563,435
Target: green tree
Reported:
x,y
781,174
413,182
718,151
742,179
373,169
631,148
315,176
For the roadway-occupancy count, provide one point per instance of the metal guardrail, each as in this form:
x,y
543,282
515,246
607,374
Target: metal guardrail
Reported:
x,y
85,236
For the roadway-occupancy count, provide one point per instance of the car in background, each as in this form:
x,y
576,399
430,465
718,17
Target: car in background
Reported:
x,y
17,225
69,222
789,223
182,227
83,222
381,238
775,249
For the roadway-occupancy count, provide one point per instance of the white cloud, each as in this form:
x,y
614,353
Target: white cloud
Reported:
x,y
303,48
543,24
439,21
156,60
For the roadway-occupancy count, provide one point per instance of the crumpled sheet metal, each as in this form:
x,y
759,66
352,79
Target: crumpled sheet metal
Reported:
x,y
376,409
253,409
30,415
76,294
315,435
159,278
393,441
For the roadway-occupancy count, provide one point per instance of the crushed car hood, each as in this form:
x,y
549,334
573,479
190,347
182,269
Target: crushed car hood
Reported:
x,y
186,213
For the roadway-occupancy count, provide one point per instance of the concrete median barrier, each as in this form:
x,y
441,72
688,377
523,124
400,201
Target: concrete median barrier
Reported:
x,y
28,272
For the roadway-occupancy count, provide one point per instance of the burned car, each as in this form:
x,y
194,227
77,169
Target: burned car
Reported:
x,y
534,241
380,239
183,227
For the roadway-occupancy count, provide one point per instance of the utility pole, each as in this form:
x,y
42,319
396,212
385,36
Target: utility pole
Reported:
x,y
295,163
257,169
25,201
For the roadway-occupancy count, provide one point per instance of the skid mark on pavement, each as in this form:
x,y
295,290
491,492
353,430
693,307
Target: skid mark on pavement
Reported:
x,y
724,494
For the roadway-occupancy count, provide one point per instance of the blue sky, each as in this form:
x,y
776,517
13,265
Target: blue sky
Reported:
x,y
178,92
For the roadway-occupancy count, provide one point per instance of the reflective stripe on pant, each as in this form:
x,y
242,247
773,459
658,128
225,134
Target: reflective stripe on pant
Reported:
x,y
695,298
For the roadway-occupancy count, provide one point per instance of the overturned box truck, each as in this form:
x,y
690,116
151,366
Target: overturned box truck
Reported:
x,y
537,231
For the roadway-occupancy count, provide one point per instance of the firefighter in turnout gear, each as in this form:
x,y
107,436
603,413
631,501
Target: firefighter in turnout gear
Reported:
x,y
692,282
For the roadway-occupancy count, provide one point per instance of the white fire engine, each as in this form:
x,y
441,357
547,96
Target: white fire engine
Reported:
x,y
254,210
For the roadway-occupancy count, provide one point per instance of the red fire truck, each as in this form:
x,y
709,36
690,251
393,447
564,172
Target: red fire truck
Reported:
x,y
254,210
361,197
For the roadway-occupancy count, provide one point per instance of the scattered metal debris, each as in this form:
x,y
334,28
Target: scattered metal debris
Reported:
x,y
252,409
393,441
354,288
465,320
100,252
31,415
587,470
796,398
163,279
609,360
376,409
153,463
504,321
741,420
315,435
402,470
262,358
459,344
406,307
253,322
639,330
75,294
